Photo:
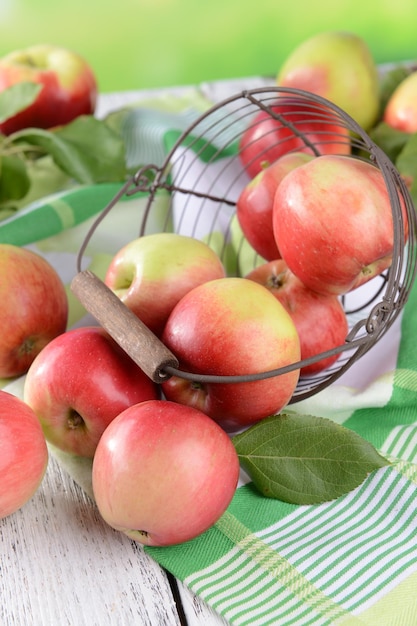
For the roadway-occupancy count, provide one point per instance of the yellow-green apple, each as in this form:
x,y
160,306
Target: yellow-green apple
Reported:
x,y
79,383
255,202
401,109
320,320
232,326
163,473
338,66
33,307
150,274
68,86
291,123
23,453
333,223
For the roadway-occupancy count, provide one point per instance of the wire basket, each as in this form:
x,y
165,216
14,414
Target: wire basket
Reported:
x,y
203,175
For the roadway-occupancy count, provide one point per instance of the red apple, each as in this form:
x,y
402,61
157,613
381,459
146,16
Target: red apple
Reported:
x,y
79,383
152,273
69,87
232,326
255,203
333,223
23,453
401,109
292,124
163,473
33,307
320,320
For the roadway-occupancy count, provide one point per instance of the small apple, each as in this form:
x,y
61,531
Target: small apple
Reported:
x,y
232,326
291,124
163,473
401,109
33,307
69,87
338,66
333,223
254,205
151,274
320,320
23,453
79,383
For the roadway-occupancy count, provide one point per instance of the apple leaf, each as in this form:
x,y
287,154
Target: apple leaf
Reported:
x,y
17,98
303,459
390,140
14,179
86,149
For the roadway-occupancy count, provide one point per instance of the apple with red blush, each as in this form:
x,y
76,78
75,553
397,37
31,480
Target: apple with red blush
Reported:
x,y
68,86
401,109
150,274
227,327
255,203
320,320
24,453
79,383
292,123
333,223
33,307
163,473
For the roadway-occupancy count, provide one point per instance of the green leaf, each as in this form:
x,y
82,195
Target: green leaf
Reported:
x,y
302,459
14,179
16,98
86,149
406,164
390,140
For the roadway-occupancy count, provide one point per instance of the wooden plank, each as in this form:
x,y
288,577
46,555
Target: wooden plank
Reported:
x,y
61,564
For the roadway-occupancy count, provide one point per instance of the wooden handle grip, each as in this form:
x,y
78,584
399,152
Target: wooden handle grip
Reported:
x,y
140,343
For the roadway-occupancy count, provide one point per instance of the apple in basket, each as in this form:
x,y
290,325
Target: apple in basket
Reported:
x,y
163,473
33,307
289,124
254,205
79,383
401,108
68,86
320,320
151,273
232,326
333,223
24,454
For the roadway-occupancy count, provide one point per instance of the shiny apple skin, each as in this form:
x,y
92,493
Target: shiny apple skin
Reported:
x,y
79,383
33,308
23,454
164,473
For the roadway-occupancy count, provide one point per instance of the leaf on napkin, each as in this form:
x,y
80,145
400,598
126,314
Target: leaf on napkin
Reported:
x,y
86,149
302,459
17,98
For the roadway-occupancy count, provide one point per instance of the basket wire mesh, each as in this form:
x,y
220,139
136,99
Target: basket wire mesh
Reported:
x,y
203,175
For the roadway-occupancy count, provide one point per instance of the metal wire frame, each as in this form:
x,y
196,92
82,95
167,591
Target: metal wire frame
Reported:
x,y
213,139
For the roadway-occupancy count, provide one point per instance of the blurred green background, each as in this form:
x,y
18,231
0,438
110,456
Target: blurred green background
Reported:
x,y
137,44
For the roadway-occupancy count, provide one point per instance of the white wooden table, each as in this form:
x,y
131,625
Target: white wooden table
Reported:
x,y
61,565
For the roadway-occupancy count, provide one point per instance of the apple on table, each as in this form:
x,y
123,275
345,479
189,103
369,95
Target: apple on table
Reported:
x,y
33,307
79,383
23,453
163,473
68,86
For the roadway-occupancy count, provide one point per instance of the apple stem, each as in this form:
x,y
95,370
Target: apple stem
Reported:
x,y
74,420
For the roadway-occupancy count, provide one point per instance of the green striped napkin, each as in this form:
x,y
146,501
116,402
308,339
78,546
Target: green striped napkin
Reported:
x,y
352,561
